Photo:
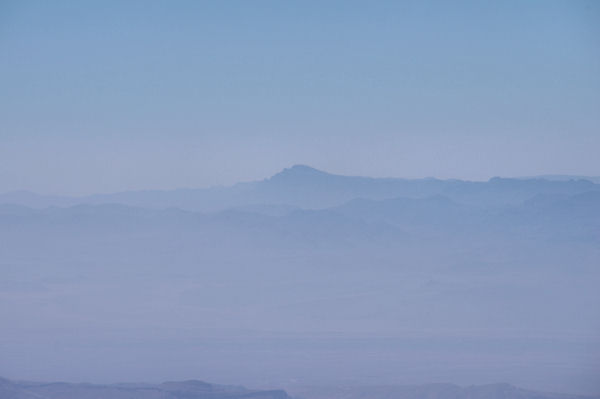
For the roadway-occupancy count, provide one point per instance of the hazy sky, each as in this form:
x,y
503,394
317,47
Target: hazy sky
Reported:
x,y
101,96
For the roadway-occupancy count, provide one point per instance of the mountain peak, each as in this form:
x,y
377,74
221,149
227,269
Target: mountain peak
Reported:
x,y
299,170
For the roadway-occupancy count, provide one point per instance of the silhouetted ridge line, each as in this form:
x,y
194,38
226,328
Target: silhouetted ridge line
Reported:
x,y
191,389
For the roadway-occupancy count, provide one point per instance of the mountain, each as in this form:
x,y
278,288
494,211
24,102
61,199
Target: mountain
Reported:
x,y
370,288
305,187
192,389
545,214
437,211
593,179
10,390
428,391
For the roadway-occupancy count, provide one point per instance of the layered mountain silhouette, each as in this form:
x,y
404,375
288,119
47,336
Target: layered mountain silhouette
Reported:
x,y
191,389
362,218
312,276
306,187
194,389
429,391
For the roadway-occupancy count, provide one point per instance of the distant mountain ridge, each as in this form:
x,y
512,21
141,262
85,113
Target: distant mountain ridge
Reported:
x,y
359,216
382,277
305,187
593,179
191,389
429,391
195,389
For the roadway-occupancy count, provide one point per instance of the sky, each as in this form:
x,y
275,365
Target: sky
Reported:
x,y
103,96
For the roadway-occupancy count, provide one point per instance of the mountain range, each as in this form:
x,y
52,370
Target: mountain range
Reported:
x,y
308,277
194,389
306,187
429,391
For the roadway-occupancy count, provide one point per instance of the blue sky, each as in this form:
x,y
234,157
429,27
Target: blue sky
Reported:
x,y
102,96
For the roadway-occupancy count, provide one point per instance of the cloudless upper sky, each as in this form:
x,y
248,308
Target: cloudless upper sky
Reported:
x,y
100,96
